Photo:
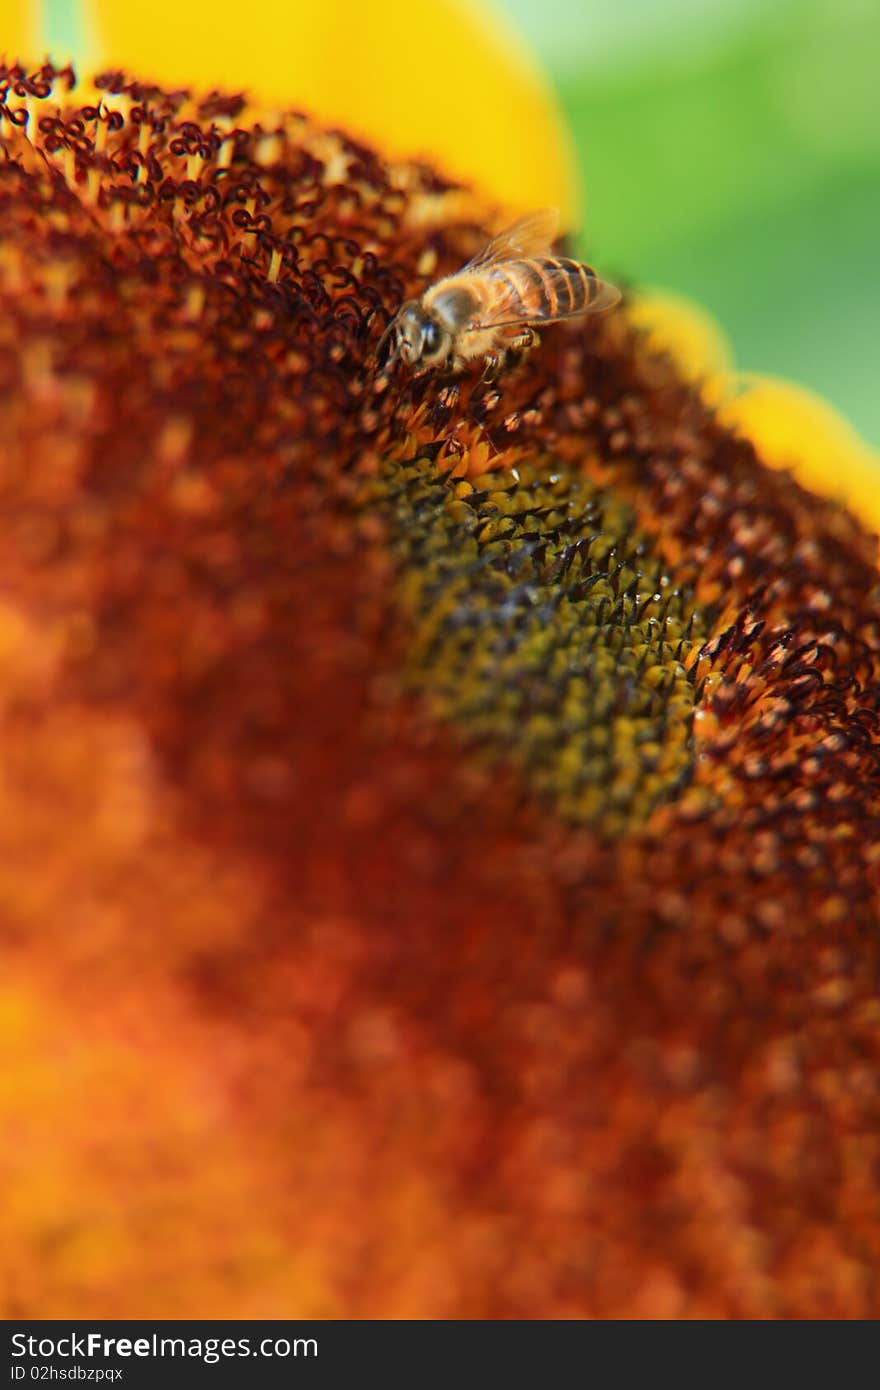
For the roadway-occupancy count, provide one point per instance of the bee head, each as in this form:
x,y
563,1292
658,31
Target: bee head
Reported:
x,y
420,338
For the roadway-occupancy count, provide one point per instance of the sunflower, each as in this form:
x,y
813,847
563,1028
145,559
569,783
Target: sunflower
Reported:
x,y
440,824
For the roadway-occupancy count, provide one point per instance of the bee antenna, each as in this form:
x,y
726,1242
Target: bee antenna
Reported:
x,y
379,377
383,340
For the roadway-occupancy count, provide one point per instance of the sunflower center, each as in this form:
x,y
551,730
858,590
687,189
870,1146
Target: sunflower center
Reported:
x,y
545,629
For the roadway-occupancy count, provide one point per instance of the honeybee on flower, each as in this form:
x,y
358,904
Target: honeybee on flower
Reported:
x,y
491,307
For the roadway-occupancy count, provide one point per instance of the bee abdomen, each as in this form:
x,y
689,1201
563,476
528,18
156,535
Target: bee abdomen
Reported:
x,y
551,287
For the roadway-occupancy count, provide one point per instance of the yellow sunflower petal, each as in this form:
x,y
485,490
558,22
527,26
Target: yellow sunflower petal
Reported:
x,y
441,79
675,325
19,37
791,427
794,429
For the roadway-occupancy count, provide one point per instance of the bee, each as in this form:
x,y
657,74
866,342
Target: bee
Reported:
x,y
489,309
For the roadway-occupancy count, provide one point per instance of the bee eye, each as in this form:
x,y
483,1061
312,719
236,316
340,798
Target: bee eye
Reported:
x,y
431,337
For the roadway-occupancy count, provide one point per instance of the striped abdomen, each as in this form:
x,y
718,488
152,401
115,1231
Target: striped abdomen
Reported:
x,y
548,287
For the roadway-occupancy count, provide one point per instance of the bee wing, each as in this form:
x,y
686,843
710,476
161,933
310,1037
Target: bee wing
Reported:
x,y
530,236
508,307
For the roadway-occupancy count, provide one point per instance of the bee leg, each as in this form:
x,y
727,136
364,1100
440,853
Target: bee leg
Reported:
x,y
524,341
520,345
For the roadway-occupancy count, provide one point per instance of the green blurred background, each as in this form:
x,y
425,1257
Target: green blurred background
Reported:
x,y
730,151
